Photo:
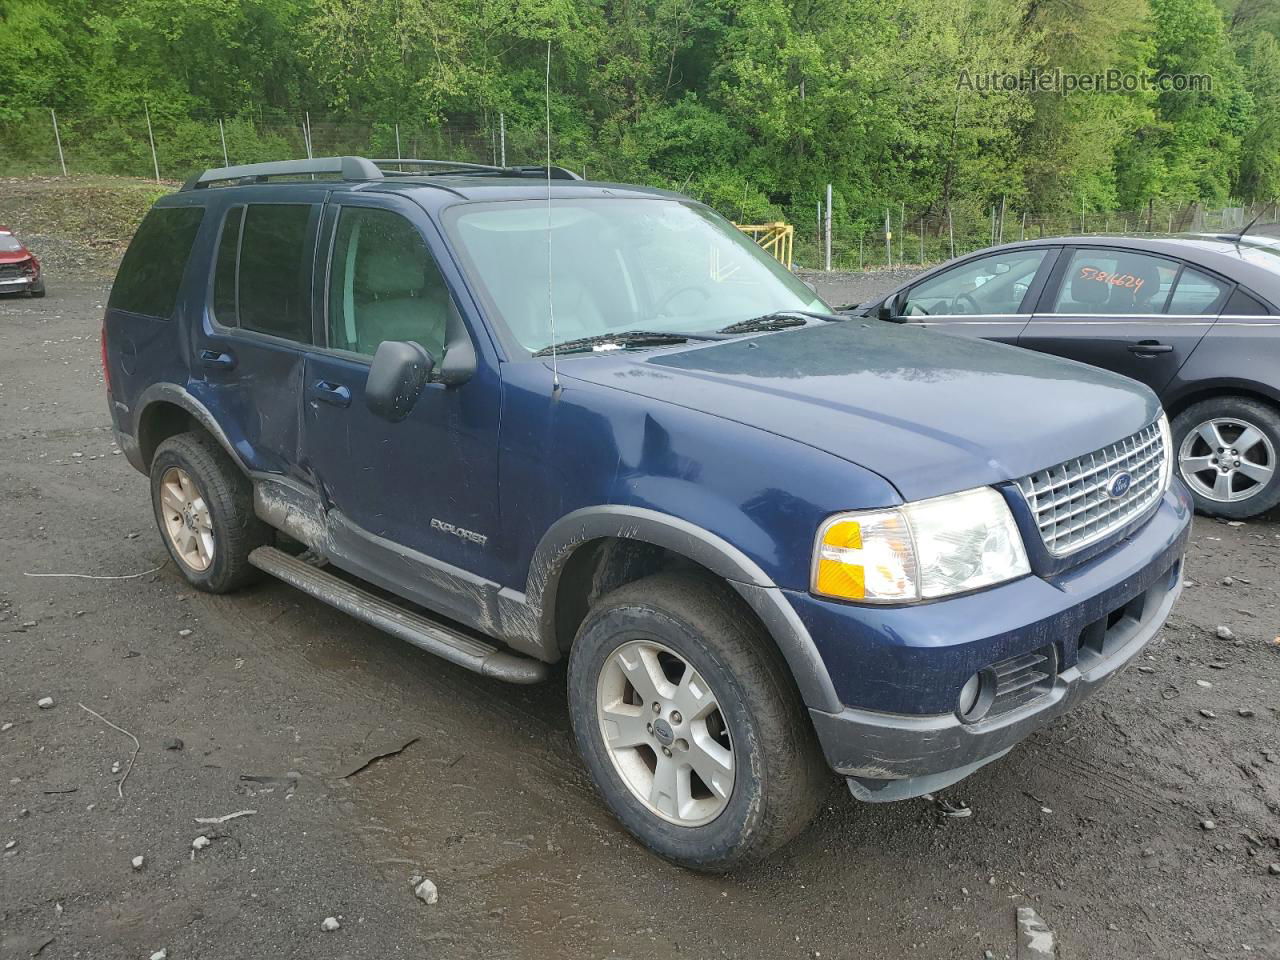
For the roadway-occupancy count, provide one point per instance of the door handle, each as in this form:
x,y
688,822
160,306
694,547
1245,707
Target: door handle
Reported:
x,y
329,392
1149,348
217,359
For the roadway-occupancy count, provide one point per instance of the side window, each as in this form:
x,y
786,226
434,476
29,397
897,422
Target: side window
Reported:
x,y
1114,281
152,269
224,270
275,270
1195,293
994,285
1243,304
384,285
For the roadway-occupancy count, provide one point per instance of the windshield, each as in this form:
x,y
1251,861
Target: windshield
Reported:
x,y
9,243
618,265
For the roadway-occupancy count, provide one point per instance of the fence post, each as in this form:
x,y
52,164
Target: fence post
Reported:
x,y
888,237
307,128
993,225
828,230
951,232
222,133
860,267
1082,227
922,240
1000,235
58,138
902,235
502,138
1024,226
397,144
155,163
817,236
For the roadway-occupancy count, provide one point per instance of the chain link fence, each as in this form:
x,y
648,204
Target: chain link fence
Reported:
x,y
169,146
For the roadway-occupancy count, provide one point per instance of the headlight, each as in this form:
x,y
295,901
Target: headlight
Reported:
x,y
1166,438
919,551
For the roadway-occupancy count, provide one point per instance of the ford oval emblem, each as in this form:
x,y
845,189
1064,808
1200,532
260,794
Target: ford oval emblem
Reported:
x,y
1119,485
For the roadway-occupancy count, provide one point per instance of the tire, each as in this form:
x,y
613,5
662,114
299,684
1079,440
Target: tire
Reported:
x,y
220,502
38,292
779,776
1251,489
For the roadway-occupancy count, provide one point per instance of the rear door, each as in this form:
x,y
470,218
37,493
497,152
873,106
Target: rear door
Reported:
x,y
986,296
1132,312
250,350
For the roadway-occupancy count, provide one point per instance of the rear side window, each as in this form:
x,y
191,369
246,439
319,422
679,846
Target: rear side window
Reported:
x,y
152,269
1242,304
262,275
1195,293
1115,281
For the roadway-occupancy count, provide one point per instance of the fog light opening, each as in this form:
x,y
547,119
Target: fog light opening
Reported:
x,y
975,697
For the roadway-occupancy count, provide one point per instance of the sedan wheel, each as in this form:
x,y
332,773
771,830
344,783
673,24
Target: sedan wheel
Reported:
x,y
1227,460
663,729
187,522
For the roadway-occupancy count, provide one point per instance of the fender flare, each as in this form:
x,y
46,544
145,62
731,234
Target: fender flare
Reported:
x,y
703,547
180,396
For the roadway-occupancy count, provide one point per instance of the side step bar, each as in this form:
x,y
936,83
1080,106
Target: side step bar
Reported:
x,y
430,635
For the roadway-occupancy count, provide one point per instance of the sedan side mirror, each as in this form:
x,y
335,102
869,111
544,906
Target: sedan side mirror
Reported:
x,y
399,372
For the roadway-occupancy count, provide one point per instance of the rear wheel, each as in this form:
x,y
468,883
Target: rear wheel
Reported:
x,y
204,508
1227,455
686,717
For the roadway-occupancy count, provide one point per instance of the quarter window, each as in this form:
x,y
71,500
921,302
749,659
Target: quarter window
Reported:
x,y
1195,293
152,269
989,286
1115,282
384,285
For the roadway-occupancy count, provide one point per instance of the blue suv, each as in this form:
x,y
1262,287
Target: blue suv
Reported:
x,y
517,419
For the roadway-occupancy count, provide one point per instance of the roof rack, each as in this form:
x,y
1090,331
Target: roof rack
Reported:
x,y
359,168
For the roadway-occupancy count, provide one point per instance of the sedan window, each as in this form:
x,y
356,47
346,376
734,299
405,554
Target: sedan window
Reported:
x,y
1115,282
989,286
1195,293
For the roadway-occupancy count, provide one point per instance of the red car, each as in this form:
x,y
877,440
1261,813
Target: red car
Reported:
x,y
19,268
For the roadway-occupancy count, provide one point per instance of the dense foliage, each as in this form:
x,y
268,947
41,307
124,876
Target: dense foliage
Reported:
x,y
753,105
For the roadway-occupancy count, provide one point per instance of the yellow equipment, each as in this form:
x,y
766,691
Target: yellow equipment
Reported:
x,y
775,238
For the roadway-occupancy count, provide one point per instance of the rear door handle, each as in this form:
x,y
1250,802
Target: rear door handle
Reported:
x,y
1149,348
217,359
329,392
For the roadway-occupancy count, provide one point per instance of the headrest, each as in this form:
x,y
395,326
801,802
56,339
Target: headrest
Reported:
x,y
392,271
1088,284
1143,286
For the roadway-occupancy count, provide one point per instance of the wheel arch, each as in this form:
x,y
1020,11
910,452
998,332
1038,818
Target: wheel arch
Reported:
x,y
166,409
1211,390
595,549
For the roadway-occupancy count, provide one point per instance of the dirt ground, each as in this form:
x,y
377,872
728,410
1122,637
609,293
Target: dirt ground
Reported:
x,y
280,703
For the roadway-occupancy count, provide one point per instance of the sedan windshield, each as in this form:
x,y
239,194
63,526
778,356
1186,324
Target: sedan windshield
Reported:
x,y
9,243
661,266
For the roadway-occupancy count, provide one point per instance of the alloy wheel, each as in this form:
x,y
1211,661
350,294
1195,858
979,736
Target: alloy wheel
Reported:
x,y
665,733
187,522
1227,460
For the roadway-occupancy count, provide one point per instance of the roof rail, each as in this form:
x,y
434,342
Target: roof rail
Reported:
x,y
358,168
461,168
349,168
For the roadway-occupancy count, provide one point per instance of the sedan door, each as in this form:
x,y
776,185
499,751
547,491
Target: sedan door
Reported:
x,y
986,296
1138,314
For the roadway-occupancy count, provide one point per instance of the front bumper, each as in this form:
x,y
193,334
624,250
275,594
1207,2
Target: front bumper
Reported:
x,y
1090,623
19,284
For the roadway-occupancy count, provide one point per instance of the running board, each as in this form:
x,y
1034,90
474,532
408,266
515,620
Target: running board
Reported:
x,y
430,635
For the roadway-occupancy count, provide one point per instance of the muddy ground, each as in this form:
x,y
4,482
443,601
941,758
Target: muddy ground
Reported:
x,y
280,703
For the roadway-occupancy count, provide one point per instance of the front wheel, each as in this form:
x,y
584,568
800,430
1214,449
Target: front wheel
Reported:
x,y
688,722
1227,455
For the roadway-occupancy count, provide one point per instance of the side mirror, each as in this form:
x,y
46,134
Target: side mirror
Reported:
x,y
400,370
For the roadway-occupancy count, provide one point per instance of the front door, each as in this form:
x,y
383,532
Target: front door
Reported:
x,y
983,297
1135,313
413,504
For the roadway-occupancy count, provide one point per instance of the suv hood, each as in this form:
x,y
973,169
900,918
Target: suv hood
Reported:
x,y
931,412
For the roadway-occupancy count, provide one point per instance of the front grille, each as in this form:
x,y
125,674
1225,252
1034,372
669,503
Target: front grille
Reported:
x,y
1022,679
1072,502
12,271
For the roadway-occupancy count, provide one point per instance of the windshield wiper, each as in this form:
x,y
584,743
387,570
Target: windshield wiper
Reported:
x,y
779,320
615,341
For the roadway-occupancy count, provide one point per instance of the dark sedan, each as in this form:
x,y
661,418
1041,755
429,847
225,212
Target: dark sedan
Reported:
x,y
1197,319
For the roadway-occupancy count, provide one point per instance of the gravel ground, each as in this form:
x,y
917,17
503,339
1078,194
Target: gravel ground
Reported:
x,y
279,702
841,287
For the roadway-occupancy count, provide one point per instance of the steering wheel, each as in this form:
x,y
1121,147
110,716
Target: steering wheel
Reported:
x,y
661,308
972,303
